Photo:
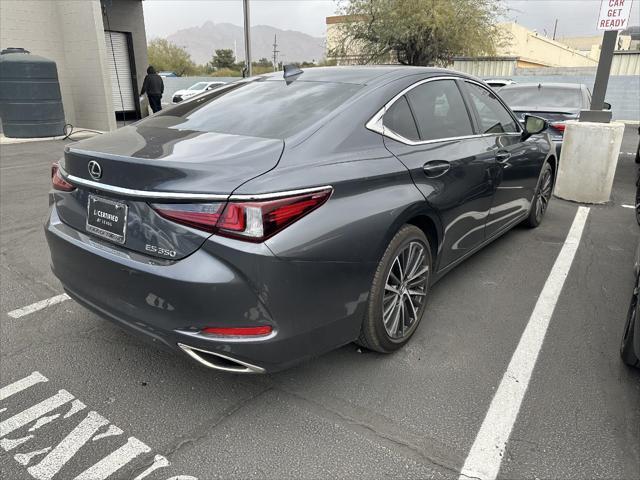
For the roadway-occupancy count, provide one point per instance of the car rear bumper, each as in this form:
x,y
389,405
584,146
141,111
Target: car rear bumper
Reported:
x,y
169,302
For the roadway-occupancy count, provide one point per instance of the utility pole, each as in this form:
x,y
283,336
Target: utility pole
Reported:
x,y
247,37
275,53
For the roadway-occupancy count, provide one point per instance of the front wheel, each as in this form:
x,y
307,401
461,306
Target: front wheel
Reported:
x,y
541,198
399,292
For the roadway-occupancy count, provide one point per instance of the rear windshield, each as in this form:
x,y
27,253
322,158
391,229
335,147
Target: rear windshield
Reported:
x,y
541,97
260,108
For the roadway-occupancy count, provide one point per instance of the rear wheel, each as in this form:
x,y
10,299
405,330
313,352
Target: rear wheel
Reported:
x,y
399,292
627,352
541,198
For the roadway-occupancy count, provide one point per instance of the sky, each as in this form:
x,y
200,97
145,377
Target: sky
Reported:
x,y
163,17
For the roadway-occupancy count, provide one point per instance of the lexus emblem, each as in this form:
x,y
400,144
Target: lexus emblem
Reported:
x,y
95,170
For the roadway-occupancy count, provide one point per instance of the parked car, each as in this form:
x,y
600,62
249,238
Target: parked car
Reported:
x,y
555,102
194,90
630,345
497,83
275,219
168,74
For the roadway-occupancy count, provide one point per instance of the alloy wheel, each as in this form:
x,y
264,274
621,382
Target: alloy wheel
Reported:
x,y
405,290
544,194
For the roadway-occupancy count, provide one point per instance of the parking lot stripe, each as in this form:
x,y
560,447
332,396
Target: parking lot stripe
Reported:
x,y
486,454
34,307
35,412
22,384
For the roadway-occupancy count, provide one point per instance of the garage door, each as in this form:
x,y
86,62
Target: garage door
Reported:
x,y
120,72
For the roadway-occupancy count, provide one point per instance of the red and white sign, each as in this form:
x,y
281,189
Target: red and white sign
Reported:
x,y
614,14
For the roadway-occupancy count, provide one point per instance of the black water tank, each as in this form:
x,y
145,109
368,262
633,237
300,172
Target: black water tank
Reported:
x,y
30,101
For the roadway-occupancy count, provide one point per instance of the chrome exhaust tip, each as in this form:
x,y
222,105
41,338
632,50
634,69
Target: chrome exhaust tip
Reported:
x,y
218,361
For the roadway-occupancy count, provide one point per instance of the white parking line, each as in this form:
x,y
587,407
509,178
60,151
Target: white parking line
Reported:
x,y
628,206
73,447
34,307
486,454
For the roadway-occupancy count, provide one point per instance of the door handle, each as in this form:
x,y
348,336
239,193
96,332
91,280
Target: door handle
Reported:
x,y
503,156
436,168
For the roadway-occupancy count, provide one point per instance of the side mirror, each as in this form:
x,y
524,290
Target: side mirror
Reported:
x,y
533,125
607,106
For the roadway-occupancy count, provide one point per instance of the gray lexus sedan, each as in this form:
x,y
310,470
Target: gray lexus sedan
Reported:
x,y
277,218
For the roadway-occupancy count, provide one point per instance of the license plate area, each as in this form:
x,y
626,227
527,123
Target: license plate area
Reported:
x,y
107,218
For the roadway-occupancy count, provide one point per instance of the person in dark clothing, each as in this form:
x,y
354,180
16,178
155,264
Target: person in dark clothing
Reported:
x,y
154,88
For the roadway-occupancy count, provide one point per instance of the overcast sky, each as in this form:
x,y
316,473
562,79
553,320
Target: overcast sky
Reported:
x,y
163,17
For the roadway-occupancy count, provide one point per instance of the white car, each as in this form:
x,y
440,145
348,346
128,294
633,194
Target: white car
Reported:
x,y
498,82
193,90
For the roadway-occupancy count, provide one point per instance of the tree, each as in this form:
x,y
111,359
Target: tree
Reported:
x,y
166,56
223,58
263,62
417,32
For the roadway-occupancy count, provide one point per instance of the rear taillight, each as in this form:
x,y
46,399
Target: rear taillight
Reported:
x,y
253,221
559,126
58,182
203,216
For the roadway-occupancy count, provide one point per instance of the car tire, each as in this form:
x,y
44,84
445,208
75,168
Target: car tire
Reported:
x,y
397,299
627,352
541,198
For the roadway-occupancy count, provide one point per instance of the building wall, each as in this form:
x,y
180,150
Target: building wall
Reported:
x,y
34,25
127,16
85,54
71,33
590,45
539,50
352,52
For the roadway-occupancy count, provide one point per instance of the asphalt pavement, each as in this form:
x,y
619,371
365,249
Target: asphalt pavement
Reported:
x,y
80,397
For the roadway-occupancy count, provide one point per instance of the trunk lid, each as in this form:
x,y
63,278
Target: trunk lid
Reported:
x,y
547,113
147,164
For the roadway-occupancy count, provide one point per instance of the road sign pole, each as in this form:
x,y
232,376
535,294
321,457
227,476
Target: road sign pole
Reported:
x,y
604,69
596,112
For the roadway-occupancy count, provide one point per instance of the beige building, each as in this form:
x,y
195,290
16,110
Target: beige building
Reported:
x,y
100,49
535,50
590,45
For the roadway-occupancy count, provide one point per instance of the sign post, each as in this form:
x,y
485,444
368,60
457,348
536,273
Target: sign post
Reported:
x,y
614,16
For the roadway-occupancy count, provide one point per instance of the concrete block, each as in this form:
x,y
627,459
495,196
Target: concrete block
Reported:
x,y
588,161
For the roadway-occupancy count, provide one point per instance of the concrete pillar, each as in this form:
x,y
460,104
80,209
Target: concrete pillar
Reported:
x,y
588,161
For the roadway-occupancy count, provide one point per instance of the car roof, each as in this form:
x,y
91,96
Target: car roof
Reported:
x,y
363,75
565,86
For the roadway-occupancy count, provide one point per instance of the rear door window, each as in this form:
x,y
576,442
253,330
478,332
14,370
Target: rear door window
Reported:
x,y
439,110
400,120
492,115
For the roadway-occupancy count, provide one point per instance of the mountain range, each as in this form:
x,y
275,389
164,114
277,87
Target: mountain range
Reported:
x,y
294,46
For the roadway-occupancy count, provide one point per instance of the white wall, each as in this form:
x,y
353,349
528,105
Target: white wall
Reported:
x,y
34,25
71,33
